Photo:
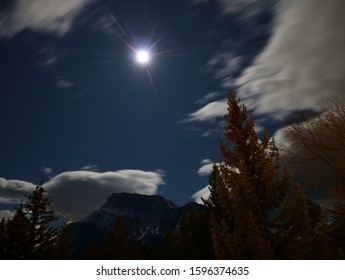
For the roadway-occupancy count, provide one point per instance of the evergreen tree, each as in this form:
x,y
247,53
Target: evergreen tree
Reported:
x,y
30,232
187,248
117,244
246,189
302,229
63,249
3,253
169,246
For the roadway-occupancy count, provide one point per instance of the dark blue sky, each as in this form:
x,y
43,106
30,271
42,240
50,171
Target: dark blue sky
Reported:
x,y
77,109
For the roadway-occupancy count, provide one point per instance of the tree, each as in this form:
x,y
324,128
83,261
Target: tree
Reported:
x,y
246,189
320,139
302,229
30,233
117,244
3,226
63,249
337,231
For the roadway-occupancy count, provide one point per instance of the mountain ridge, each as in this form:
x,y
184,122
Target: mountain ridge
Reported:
x,y
147,217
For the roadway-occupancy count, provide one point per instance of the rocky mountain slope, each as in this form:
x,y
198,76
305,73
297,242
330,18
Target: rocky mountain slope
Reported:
x,y
147,218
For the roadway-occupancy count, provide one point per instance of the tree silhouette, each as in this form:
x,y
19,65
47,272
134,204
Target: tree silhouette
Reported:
x,y
30,233
117,244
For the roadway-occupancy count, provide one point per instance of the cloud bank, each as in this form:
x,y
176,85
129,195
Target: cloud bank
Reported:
x,y
303,62
82,192
49,16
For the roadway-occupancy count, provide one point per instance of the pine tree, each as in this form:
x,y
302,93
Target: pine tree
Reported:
x,y
63,249
187,246
30,232
246,189
117,244
3,225
168,248
302,231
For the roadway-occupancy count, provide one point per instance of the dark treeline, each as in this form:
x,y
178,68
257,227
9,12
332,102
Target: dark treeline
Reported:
x,y
255,211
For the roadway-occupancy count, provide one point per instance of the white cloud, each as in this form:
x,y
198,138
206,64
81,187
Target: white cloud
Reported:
x,y
48,56
245,9
14,190
208,97
224,64
47,170
205,168
85,191
203,193
304,60
91,167
211,132
50,16
61,82
210,111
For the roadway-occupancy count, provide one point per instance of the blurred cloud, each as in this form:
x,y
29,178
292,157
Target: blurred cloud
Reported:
x,y
203,193
209,112
208,97
50,16
85,191
303,62
244,9
61,82
82,192
47,170
14,191
91,167
205,168
224,64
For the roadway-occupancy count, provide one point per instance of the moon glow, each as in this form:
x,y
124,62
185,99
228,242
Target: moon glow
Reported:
x,y
143,57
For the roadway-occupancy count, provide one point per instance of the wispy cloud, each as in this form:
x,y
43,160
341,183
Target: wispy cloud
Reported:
x,y
49,16
91,167
208,97
47,170
48,56
209,112
224,65
62,82
303,62
242,9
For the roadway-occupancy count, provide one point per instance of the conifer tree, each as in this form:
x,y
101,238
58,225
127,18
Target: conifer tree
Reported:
x,y
117,244
3,238
188,250
63,249
169,246
246,188
30,232
302,229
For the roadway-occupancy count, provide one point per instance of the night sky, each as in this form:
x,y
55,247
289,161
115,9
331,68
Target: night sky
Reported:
x,y
79,111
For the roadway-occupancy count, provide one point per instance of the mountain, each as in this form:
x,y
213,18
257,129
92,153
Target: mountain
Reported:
x,y
147,218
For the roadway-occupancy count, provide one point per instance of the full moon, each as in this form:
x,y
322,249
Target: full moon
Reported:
x,y
143,57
